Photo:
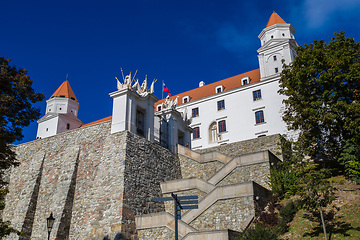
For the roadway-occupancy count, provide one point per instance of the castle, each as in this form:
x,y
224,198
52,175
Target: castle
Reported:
x,y
99,179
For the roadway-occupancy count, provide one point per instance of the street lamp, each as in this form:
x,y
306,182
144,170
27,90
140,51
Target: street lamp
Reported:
x,y
50,222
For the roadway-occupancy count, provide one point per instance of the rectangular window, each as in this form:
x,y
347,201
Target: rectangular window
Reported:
x,y
259,117
195,112
159,108
221,105
185,100
245,82
274,58
257,95
196,133
276,70
218,90
222,126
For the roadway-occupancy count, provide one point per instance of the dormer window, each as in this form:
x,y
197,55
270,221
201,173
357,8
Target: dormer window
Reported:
x,y
245,80
158,107
185,99
219,89
62,96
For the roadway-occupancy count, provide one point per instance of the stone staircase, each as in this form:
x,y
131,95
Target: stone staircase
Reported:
x,y
228,199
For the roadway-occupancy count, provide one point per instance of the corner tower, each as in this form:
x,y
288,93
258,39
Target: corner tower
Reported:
x,y
277,43
61,115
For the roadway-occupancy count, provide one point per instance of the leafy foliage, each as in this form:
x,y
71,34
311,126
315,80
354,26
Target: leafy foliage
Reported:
x,y
16,112
259,231
323,89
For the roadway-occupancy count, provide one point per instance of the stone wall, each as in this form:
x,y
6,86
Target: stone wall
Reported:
x,y
258,173
156,233
271,143
204,170
226,214
94,182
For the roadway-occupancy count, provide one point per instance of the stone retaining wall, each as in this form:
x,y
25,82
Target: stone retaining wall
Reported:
x,y
94,182
248,146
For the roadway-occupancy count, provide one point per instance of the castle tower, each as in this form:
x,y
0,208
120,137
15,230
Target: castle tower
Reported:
x,y
277,43
61,113
133,108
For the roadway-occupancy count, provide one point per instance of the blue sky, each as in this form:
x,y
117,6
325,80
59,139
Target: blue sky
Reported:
x,y
180,42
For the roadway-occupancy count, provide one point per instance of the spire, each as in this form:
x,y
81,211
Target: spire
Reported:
x,y
275,19
64,91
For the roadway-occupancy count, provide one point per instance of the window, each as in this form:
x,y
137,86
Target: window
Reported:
x,y
219,89
47,129
222,126
195,112
213,136
67,126
274,58
196,133
140,122
256,95
276,70
259,117
185,99
159,108
221,105
245,80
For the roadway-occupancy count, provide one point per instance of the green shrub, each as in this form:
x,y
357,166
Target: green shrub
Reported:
x,y
259,231
288,211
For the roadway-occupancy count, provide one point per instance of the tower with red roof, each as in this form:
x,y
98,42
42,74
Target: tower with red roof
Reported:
x,y
61,115
277,43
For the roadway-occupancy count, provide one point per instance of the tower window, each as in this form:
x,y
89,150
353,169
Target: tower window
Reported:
x,y
259,117
222,126
256,95
276,70
283,35
221,105
68,126
47,129
272,36
274,58
196,133
195,112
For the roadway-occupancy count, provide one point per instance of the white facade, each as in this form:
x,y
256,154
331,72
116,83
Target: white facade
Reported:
x,y
61,116
133,113
254,108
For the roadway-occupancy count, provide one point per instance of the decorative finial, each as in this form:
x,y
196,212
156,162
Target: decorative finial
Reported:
x,y
274,11
67,75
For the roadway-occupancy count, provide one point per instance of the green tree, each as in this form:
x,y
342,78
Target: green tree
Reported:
x,y
16,112
323,90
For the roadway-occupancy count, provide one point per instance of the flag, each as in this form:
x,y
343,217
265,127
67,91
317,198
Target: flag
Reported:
x,y
165,89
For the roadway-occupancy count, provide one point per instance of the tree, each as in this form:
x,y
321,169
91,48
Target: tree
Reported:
x,y
16,112
323,90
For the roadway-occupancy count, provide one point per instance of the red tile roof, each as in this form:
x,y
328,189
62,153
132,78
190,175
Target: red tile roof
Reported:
x,y
209,90
275,19
98,121
64,90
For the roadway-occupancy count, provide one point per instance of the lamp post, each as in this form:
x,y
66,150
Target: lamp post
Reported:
x,y
50,222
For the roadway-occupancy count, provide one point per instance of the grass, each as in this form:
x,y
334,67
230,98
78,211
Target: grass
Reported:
x,y
345,223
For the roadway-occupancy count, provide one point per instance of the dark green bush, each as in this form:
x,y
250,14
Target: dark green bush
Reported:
x,y
259,231
288,211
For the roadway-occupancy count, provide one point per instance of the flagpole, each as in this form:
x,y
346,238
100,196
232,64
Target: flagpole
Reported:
x,y
162,90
